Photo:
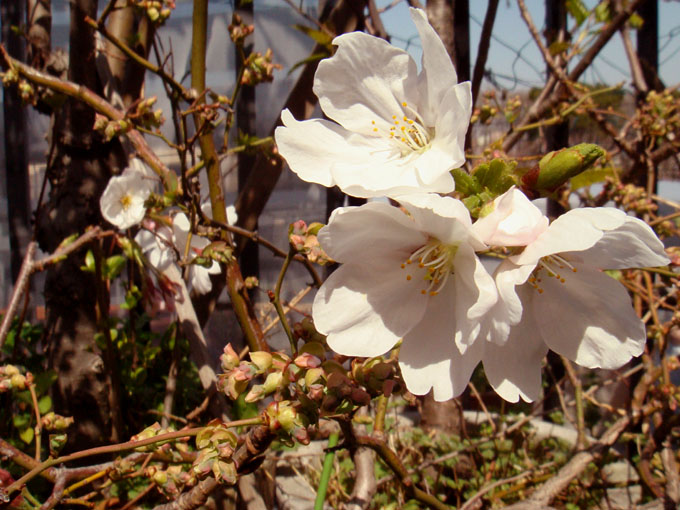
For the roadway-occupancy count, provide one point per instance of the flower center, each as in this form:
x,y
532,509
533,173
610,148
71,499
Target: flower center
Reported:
x,y
436,259
126,201
408,133
553,266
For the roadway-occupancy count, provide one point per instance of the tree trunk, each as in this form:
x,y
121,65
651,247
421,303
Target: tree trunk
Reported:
x,y
78,168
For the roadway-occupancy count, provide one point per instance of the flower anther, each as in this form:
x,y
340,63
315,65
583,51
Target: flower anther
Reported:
x,y
436,258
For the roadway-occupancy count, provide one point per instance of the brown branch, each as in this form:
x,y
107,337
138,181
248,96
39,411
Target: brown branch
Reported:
x,y
301,101
576,465
635,68
394,463
94,101
194,498
550,96
30,266
483,49
157,70
378,26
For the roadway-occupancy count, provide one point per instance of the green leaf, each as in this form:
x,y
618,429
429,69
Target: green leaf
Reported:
x,y
558,47
578,10
466,184
27,435
44,404
114,265
44,380
89,262
21,420
591,176
635,21
496,176
320,37
603,13
312,58
244,410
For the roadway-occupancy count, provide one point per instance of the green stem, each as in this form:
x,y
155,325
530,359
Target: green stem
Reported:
x,y
238,294
326,471
115,448
276,301
380,412
562,115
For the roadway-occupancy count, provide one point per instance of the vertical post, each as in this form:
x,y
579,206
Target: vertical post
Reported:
x,y
245,123
17,184
556,136
648,44
461,38
648,54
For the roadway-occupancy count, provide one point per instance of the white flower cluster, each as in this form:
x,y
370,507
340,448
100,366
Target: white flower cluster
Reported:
x,y
413,274
123,205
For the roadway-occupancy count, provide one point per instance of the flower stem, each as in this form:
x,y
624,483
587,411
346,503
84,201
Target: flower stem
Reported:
x,y
38,420
276,300
326,472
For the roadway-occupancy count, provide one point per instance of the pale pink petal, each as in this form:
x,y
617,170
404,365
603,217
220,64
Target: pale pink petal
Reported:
x,y
364,312
514,221
633,244
514,369
588,318
391,237
366,80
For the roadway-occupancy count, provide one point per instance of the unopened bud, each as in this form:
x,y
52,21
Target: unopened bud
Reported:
x,y
261,359
18,382
557,167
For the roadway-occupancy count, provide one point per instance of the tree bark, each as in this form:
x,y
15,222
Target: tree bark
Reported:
x,y
78,168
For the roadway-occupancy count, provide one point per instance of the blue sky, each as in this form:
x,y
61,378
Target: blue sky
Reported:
x,y
512,36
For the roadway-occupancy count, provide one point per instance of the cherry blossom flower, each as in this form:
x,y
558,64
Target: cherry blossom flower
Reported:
x,y
122,203
396,131
555,295
198,276
410,276
156,242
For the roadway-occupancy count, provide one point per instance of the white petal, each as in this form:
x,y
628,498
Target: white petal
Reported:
x,y
514,221
433,214
232,216
438,74
199,279
509,308
576,230
451,123
366,80
124,187
514,369
364,312
633,244
375,233
589,319
307,146
475,295
429,358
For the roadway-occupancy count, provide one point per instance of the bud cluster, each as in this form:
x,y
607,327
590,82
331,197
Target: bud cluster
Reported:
x,y
216,445
306,386
238,31
258,68
156,10
55,422
303,238
11,378
630,198
659,116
